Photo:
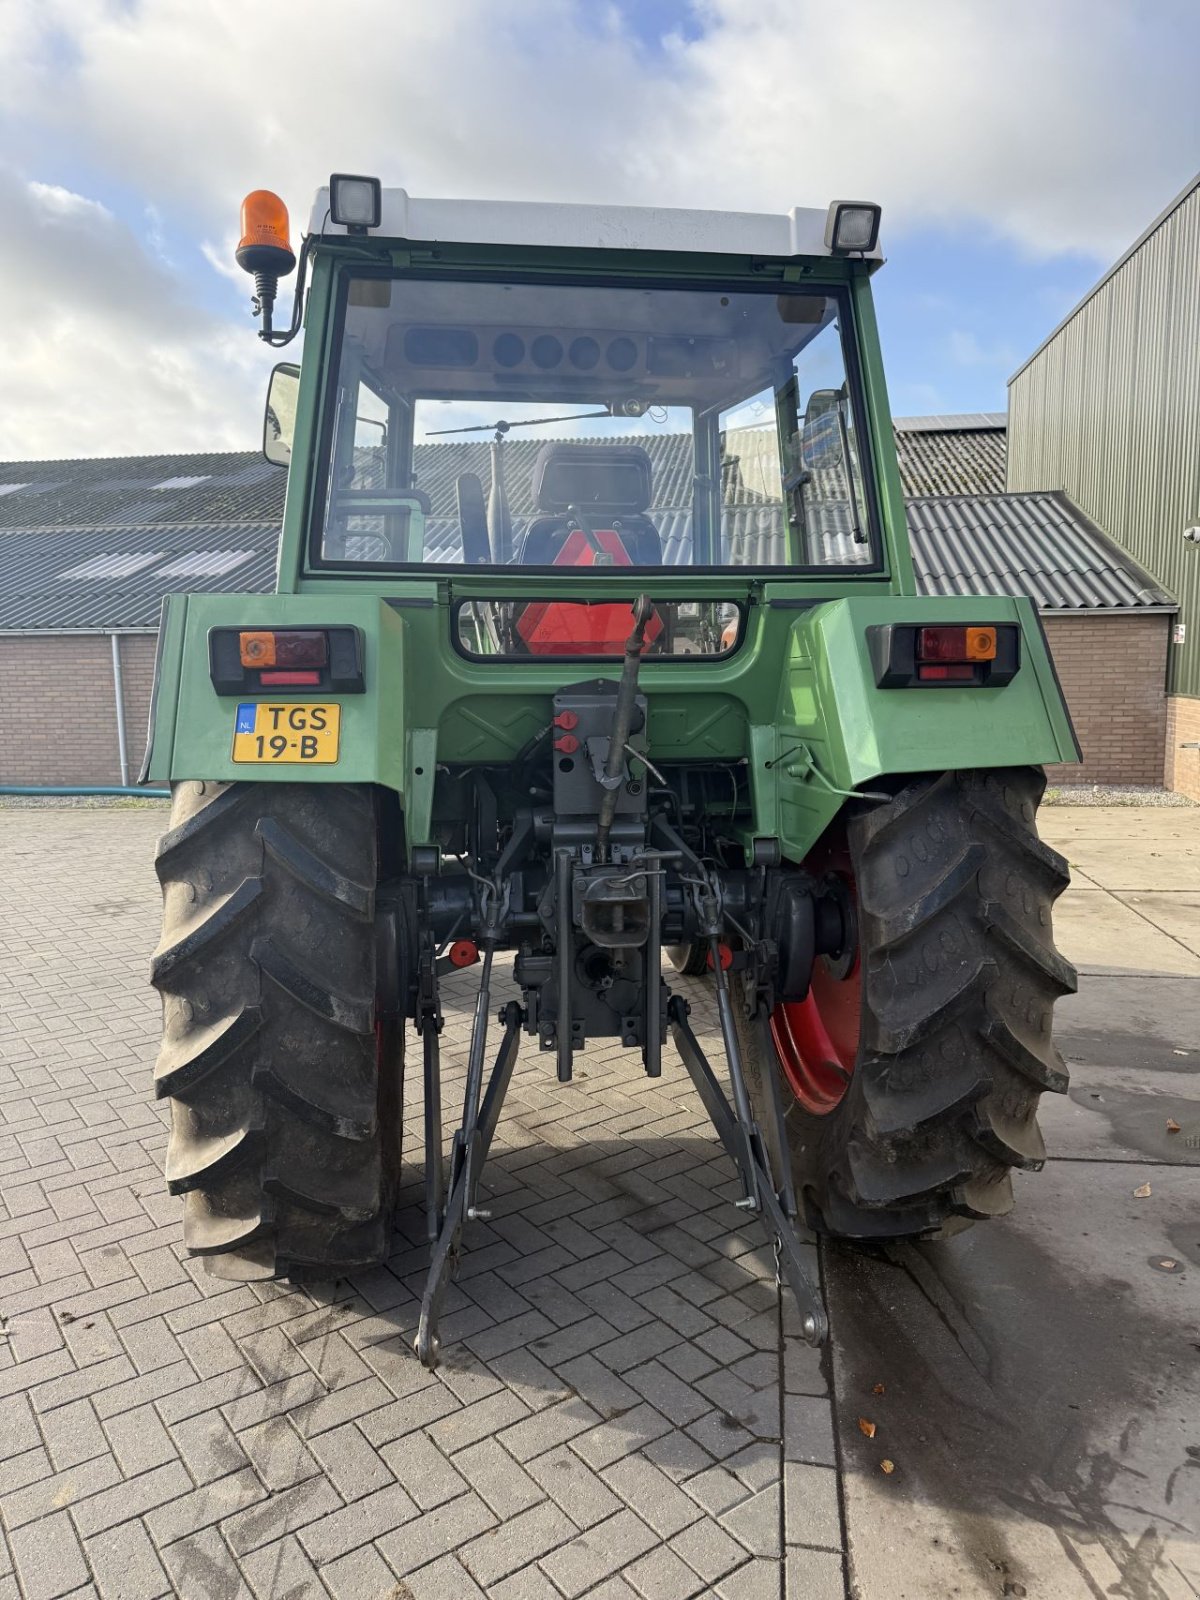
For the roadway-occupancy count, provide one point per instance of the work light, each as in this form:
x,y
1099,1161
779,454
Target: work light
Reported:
x,y
355,203
852,226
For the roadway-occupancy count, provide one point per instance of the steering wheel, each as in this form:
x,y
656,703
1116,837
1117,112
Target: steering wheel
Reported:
x,y
472,520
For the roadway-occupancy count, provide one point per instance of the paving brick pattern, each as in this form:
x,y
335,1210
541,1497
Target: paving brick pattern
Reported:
x,y
623,1409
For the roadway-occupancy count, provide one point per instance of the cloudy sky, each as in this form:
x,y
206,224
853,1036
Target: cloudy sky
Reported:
x,y
1017,147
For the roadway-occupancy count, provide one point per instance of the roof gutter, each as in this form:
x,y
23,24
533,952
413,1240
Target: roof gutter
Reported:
x,y
1110,611
75,633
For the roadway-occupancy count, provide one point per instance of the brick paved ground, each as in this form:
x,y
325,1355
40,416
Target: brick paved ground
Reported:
x,y
621,1411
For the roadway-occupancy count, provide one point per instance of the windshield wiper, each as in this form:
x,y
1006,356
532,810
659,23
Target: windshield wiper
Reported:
x,y
500,428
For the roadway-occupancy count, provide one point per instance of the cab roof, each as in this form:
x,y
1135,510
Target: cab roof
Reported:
x,y
549,225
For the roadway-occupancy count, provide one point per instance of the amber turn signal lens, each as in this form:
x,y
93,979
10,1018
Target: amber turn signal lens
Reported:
x,y
265,245
257,649
981,644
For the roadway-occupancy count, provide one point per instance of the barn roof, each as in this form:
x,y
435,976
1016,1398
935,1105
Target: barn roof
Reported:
x,y
97,543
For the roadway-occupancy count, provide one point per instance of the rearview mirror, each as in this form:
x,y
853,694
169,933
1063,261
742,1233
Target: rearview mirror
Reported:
x,y
821,437
279,420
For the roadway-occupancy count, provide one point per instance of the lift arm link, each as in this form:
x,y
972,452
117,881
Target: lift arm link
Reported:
x,y
745,1148
462,1197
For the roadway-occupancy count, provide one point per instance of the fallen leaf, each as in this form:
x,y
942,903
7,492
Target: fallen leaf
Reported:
x,y
1172,1125
867,1427
878,1389
887,1466
1143,1193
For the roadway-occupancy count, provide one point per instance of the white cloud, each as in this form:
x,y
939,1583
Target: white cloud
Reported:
x,y
1062,125
1059,123
101,352
54,203
220,259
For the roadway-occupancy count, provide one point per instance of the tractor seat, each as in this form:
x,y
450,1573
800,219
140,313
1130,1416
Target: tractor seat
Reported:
x,y
600,484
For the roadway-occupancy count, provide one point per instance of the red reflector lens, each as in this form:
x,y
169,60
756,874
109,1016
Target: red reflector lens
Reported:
x,y
300,650
294,680
956,672
942,644
290,648
464,953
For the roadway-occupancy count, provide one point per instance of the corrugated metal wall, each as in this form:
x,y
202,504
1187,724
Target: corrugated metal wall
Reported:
x,y
1109,410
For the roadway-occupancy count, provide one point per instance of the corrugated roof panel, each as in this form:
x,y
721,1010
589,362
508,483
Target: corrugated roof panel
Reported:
x,y
952,422
951,462
112,566
221,486
181,481
205,564
34,595
1036,544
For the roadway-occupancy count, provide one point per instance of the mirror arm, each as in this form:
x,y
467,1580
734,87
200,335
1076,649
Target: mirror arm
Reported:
x,y
275,337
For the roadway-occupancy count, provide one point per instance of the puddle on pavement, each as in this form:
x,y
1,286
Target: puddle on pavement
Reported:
x,y
1024,1399
1138,1119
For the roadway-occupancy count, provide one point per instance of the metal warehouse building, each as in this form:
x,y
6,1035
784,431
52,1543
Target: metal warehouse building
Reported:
x,y
1108,411
89,548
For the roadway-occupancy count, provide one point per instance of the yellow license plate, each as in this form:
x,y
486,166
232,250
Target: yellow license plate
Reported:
x,y
292,732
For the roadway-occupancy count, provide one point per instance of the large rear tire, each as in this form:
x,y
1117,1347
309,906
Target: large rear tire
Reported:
x,y
285,1089
910,1078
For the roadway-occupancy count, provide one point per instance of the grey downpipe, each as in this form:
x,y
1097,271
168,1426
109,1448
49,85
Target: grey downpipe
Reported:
x,y
119,702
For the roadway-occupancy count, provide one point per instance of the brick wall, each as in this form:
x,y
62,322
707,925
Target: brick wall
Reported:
x,y
1113,673
1182,767
58,722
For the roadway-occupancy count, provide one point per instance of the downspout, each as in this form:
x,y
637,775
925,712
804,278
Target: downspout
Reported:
x,y
119,701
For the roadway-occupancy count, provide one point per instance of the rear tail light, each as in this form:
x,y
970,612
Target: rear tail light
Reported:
x,y
283,648
956,644
913,655
245,660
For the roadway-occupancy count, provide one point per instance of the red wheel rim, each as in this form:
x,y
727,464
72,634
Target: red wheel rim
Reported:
x,y
817,1038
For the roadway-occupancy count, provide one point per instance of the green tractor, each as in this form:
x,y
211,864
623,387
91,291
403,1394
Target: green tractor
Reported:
x,y
595,637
